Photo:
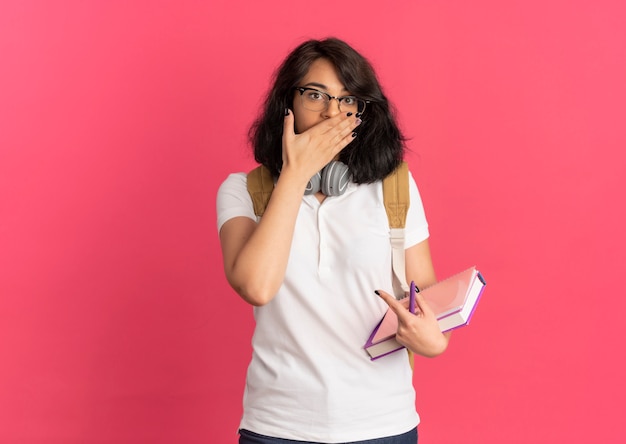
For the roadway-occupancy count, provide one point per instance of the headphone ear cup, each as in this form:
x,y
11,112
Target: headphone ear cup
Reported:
x,y
335,178
314,184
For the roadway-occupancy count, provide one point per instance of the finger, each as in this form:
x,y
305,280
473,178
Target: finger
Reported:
x,y
339,145
335,124
348,125
345,134
421,303
394,305
288,125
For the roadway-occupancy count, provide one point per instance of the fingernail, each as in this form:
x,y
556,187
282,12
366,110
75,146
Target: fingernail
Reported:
x,y
286,111
358,121
376,291
349,114
358,114
353,135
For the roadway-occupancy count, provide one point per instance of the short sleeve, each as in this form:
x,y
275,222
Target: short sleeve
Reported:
x,y
233,199
416,229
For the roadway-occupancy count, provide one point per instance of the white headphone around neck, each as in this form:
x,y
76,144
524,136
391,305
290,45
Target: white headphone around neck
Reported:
x,y
332,180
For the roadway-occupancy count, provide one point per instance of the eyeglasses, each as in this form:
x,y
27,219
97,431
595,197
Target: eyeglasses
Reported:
x,y
315,100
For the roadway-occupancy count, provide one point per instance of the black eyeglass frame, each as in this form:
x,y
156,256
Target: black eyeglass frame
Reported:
x,y
302,89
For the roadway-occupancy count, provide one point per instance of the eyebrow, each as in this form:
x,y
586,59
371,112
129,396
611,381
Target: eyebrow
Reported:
x,y
321,86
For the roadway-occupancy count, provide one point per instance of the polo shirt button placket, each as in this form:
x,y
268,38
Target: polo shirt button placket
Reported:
x,y
323,267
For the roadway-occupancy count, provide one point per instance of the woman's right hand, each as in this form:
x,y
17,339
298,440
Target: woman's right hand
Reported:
x,y
308,152
256,255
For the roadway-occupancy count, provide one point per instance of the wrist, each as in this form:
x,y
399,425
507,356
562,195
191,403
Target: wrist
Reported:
x,y
293,180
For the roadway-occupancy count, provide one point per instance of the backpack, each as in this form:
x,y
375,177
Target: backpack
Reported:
x,y
395,197
396,200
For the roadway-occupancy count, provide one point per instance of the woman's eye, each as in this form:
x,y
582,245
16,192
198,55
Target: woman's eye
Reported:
x,y
349,100
312,95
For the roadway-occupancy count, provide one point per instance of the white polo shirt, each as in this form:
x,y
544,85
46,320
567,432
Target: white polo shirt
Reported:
x,y
310,378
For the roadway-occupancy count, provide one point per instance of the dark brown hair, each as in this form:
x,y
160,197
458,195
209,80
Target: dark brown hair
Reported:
x,y
379,147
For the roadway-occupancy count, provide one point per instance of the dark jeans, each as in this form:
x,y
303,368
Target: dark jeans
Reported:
x,y
247,437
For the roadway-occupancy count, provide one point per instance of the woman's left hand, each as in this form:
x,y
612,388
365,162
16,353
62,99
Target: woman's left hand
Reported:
x,y
418,332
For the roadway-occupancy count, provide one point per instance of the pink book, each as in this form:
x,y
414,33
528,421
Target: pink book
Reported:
x,y
453,300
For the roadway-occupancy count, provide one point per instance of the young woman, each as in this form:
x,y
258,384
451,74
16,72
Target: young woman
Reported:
x,y
313,264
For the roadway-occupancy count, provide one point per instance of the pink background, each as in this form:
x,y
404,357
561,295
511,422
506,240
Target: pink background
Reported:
x,y
118,121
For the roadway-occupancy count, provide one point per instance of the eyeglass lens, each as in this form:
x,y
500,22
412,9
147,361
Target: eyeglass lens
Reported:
x,y
315,100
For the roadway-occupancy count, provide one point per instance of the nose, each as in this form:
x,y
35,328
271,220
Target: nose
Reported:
x,y
332,109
